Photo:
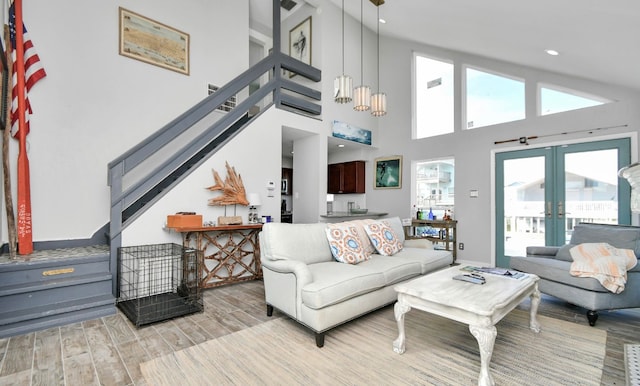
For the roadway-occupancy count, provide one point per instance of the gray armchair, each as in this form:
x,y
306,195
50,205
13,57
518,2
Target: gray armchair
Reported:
x,y
552,265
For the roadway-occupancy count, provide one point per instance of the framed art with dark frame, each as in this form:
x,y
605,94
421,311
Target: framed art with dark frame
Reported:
x,y
153,42
388,172
300,43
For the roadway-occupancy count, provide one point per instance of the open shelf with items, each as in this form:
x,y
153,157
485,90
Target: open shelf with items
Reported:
x,y
440,232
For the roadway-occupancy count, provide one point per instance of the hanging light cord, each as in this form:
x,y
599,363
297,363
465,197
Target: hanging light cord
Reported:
x,y
361,43
342,37
378,25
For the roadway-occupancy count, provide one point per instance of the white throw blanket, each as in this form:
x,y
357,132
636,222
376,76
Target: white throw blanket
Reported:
x,y
603,262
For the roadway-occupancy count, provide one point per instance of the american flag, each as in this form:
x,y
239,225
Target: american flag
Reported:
x,y
33,72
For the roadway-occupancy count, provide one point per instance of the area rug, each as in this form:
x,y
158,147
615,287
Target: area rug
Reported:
x,y
632,363
438,351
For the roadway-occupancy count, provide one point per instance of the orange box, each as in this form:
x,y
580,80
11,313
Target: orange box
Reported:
x,y
184,221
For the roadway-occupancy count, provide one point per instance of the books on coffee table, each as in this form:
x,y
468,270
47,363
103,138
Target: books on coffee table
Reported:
x,y
496,271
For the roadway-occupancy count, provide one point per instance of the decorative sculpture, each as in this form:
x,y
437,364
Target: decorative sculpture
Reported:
x,y
232,193
232,188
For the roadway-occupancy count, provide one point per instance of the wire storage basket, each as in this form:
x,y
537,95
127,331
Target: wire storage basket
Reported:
x,y
159,282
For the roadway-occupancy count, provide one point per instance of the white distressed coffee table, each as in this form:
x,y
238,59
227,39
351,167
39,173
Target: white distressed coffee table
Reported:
x,y
480,306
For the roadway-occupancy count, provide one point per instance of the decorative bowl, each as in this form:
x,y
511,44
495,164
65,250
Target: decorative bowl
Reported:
x,y
359,211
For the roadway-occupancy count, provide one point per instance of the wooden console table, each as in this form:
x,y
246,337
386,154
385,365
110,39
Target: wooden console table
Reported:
x,y
446,234
231,253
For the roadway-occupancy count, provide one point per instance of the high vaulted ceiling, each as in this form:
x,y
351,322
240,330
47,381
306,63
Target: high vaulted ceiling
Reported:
x,y
597,39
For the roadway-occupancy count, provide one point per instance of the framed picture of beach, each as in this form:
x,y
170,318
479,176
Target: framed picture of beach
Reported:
x,y
388,172
152,42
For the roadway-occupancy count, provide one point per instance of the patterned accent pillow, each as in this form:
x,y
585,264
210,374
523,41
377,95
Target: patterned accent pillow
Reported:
x,y
362,234
345,245
383,238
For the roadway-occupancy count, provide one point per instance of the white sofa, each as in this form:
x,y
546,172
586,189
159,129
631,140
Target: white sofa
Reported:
x,y
303,280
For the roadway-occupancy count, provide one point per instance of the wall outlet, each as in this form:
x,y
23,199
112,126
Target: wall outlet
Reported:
x,y
461,246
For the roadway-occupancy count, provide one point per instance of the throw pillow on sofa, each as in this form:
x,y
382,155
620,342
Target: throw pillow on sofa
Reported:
x,y
345,244
383,237
362,234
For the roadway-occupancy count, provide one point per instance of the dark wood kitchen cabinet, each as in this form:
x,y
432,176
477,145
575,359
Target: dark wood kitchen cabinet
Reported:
x,y
346,177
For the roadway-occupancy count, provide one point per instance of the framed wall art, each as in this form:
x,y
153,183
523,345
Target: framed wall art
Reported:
x,y
349,132
388,172
300,42
153,42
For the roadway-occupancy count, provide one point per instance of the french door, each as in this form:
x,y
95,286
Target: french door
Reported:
x,y
542,193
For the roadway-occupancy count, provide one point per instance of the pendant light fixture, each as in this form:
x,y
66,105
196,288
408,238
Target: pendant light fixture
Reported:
x,y
379,99
362,93
343,84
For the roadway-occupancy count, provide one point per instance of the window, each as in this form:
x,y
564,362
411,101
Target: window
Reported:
x,y
554,99
434,184
488,97
493,99
433,97
228,105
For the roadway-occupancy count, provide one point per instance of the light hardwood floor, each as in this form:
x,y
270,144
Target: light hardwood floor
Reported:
x,y
108,351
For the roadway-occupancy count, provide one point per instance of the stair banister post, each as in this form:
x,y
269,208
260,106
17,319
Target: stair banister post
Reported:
x,y
115,225
277,50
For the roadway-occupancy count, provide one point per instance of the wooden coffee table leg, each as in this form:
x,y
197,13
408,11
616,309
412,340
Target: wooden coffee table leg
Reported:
x,y
399,309
486,337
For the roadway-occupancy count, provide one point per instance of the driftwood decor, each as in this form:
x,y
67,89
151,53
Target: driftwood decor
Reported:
x,y
232,193
232,188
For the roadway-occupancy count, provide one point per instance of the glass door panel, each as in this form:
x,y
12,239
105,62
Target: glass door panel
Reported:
x,y
590,188
524,204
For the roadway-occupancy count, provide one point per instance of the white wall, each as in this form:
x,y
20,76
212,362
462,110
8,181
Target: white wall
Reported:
x,y
252,157
307,168
327,55
255,154
95,104
310,157
331,18
474,150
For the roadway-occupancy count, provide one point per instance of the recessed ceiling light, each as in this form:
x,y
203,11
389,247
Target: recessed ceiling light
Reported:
x,y
341,145
382,21
552,52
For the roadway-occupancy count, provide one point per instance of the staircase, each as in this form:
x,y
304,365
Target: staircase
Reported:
x,y
67,285
54,288
146,184
183,169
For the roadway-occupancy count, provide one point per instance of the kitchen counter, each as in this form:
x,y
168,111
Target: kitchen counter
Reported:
x,y
343,216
